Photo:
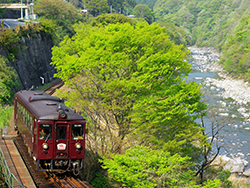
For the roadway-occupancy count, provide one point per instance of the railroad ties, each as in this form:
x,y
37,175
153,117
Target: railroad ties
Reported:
x,y
51,88
14,170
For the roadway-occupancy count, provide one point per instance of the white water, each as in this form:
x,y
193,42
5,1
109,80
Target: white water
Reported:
x,y
231,98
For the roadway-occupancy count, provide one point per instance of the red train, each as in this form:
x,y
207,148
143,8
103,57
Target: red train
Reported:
x,y
53,133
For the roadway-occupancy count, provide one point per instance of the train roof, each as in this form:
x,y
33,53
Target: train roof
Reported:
x,y
45,107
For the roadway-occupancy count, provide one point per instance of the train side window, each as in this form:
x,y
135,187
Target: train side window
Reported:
x,y
18,108
61,133
24,116
21,113
28,121
45,132
77,131
31,123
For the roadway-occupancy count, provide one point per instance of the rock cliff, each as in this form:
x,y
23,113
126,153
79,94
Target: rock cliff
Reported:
x,y
32,63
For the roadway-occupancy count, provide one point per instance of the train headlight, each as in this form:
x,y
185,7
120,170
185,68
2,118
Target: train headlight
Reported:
x,y
45,146
78,146
62,114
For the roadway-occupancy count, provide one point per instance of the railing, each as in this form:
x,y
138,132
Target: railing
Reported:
x,y
10,179
13,5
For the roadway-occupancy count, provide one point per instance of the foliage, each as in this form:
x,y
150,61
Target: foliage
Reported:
x,y
55,9
210,22
236,51
6,113
101,181
105,19
176,33
219,23
63,15
122,6
96,7
8,39
48,26
142,11
150,3
7,81
144,167
128,80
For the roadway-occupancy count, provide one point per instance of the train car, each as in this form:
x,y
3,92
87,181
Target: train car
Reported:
x,y
53,133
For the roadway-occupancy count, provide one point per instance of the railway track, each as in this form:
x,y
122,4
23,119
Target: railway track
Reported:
x,y
56,84
69,182
41,179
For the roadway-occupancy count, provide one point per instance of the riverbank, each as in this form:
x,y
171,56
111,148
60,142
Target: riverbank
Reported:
x,y
237,90
232,98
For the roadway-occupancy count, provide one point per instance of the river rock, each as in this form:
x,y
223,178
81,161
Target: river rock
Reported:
x,y
221,160
235,165
247,173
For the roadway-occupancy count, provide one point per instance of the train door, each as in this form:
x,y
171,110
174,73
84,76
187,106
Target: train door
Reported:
x,y
62,140
34,138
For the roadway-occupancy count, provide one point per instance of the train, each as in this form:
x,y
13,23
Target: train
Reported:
x,y
53,133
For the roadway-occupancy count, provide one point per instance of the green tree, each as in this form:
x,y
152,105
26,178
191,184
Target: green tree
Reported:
x,y
150,3
96,7
142,11
63,13
177,34
55,9
122,6
7,82
129,82
147,168
105,19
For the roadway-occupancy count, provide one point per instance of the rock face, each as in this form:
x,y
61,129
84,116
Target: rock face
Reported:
x,y
32,63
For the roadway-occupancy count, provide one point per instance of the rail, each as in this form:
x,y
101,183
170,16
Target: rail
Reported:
x,y
51,88
8,176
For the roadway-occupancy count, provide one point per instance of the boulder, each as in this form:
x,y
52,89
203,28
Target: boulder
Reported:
x,y
247,173
235,165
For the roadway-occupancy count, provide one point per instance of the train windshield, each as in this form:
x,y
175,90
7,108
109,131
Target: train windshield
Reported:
x,y
77,131
61,132
45,131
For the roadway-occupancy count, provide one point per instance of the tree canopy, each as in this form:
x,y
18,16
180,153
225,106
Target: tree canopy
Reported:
x,y
147,168
142,11
105,19
55,9
7,81
122,6
63,13
96,7
129,81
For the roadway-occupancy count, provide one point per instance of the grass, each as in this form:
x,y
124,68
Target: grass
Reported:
x,y
239,182
5,115
44,86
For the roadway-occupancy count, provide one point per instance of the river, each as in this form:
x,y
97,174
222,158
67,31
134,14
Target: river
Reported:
x,y
229,100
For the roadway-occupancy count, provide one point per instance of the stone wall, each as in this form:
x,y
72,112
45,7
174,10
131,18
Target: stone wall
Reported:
x,y
32,63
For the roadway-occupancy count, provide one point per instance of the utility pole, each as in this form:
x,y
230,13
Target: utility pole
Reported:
x,y
111,9
21,9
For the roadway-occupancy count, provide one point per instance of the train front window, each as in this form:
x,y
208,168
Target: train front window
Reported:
x,y
45,132
77,131
61,133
